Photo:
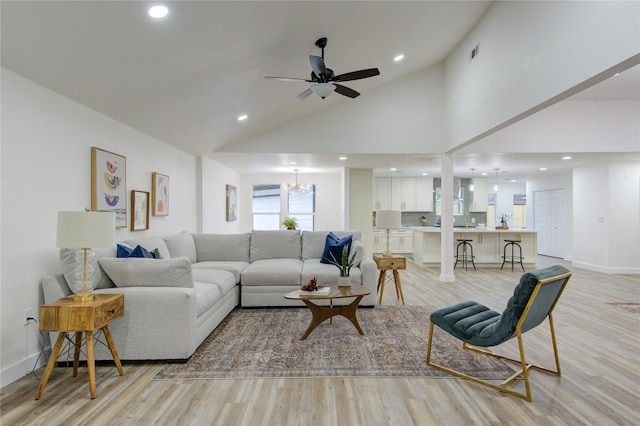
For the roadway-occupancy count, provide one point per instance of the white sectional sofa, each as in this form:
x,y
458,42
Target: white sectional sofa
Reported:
x,y
172,304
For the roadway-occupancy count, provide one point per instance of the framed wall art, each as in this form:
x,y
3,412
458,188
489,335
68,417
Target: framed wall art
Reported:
x,y
160,194
109,184
232,203
139,210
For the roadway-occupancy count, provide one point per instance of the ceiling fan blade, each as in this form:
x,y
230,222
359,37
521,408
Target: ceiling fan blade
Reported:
x,y
317,65
357,75
345,91
286,79
304,94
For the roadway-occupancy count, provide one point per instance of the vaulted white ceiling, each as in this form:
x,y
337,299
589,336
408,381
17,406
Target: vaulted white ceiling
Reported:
x,y
185,78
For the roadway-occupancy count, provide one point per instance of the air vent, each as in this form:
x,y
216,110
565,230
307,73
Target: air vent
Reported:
x,y
475,51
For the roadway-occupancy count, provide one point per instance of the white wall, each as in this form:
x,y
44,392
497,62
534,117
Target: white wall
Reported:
x,y
46,163
529,53
607,229
215,178
330,206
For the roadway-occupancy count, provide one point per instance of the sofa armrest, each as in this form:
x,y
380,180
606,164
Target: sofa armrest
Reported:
x,y
158,323
369,279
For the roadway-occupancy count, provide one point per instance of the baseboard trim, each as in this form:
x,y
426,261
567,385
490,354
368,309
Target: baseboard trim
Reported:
x,y
606,269
23,368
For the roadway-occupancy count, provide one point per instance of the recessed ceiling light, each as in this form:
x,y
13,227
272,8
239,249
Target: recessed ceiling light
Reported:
x,y
425,174
393,169
566,157
158,12
484,173
293,163
242,117
398,58
343,158
542,169
616,74
513,181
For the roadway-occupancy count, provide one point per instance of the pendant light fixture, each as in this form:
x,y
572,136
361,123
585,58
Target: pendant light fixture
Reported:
x,y
472,183
298,187
495,187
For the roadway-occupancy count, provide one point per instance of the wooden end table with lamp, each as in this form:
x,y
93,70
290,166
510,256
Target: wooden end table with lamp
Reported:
x,y
66,316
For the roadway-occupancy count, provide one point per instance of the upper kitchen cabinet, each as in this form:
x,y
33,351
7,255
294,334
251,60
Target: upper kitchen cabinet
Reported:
x,y
382,193
403,194
480,197
424,194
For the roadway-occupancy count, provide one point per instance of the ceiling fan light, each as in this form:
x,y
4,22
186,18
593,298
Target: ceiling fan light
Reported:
x,y
323,89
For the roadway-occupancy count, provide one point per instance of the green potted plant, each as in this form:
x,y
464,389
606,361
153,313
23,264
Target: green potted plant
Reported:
x,y
424,220
290,222
344,266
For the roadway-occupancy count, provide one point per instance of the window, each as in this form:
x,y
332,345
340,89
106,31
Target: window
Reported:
x,y
266,207
302,206
269,211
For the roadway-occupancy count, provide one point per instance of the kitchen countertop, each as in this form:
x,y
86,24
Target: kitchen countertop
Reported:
x,y
472,230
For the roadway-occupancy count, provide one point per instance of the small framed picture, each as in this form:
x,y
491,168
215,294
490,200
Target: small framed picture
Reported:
x,y
160,194
139,210
232,203
109,184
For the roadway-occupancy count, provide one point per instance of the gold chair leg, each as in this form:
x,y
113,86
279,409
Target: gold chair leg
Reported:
x,y
524,372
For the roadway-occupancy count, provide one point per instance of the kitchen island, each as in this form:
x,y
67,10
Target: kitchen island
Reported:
x,y
488,244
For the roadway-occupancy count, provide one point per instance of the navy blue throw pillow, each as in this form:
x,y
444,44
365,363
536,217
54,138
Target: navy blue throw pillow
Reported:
x,y
123,250
140,251
333,248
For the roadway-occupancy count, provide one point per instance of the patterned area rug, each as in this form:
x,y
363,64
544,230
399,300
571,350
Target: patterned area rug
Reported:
x,y
627,306
263,342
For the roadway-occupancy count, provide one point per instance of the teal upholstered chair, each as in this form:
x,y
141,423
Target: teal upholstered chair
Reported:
x,y
532,302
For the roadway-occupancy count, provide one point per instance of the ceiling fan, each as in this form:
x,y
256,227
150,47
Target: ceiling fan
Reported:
x,y
324,79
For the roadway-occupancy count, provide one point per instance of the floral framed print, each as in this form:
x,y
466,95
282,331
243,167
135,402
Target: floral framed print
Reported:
x,y
232,203
139,210
109,184
160,194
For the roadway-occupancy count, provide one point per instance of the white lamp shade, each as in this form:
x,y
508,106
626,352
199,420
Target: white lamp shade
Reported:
x,y
323,89
388,219
86,229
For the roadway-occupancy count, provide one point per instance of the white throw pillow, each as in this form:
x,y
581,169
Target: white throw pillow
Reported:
x,y
358,248
144,272
72,261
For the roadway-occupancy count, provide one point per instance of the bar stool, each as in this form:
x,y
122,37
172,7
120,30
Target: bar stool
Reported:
x,y
513,258
464,258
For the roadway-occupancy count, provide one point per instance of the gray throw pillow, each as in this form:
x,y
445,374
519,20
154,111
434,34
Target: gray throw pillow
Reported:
x,y
143,272
182,245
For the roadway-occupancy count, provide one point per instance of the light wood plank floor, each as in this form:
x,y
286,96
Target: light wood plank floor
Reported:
x,y
598,343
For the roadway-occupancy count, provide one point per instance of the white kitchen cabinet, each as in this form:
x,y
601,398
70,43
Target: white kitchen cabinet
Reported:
x,y
401,241
424,194
381,193
480,200
403,194
379,241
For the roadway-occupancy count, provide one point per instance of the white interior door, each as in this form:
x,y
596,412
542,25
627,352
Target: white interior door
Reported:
x,y
549,221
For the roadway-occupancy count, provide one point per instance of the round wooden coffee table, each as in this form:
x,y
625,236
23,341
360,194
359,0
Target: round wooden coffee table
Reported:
x,y
322,313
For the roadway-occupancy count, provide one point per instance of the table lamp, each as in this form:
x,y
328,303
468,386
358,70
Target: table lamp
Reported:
x,y
388,219
85,230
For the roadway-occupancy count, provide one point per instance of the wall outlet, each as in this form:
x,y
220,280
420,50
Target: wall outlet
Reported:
x,y
27,314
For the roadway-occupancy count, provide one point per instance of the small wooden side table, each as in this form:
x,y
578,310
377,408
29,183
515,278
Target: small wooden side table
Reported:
x,y
65,316
390,263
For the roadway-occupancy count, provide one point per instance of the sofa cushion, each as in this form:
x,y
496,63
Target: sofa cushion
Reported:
x,y
181,245
123,250
333,248
72,261
207,295
232,247
275,245
235,267
151,243
141,272
223,279
326,274
313,242
279,272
